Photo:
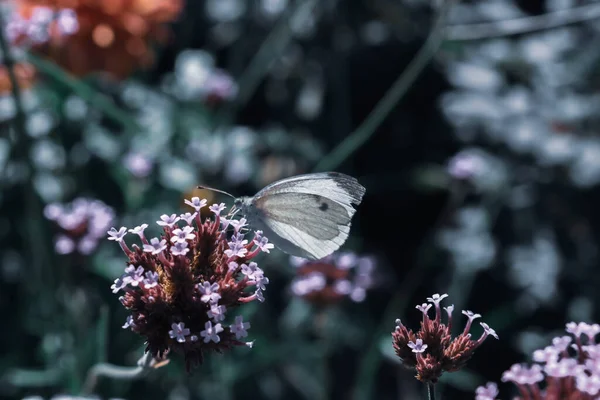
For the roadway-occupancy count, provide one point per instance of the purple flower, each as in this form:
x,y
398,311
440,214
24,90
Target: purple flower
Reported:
x,y
488,331
262,242
168,220
417,347
133,276
117,235
261,281
251,270
64,245
216,312
259,295
436,298
188,218
196,203
217,209
151,279
232,266
119,284
128,322
237,225
487,392
179,332
346,260
424,308
237,246
209,292
180,249
181,235
139,230
138,164
156,246
239,327
211,332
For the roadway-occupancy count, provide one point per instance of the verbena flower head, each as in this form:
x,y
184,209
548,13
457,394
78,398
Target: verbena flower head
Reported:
x,y
183,287
567,369
81,224
431,351
333,278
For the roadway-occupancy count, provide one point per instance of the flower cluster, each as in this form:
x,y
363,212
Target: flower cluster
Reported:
x,y
82,223
332,278
567,369
431,350
88,36
180,286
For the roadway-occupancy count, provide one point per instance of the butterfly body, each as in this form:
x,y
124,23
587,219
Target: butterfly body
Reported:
x,y
308,215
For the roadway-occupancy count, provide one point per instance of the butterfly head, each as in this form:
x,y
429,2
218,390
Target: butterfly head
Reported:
x,y
243,204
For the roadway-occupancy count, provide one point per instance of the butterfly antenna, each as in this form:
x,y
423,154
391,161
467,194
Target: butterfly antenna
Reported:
x,y
215,190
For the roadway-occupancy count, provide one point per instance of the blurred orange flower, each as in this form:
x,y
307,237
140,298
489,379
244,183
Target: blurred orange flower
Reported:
x,y
25,74
83,36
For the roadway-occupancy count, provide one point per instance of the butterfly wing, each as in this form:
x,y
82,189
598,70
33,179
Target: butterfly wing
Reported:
x,y
308,215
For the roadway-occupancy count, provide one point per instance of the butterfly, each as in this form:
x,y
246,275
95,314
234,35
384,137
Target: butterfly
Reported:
x,y
308,215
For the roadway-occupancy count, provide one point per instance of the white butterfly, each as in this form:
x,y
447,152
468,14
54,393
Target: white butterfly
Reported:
x,y
306,215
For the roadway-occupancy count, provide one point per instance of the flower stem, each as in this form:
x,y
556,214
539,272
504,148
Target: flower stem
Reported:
x,y
145,364
431,391
391,98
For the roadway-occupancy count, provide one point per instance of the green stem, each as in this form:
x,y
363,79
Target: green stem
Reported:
x,y
431,391
516,26
145,365
357,138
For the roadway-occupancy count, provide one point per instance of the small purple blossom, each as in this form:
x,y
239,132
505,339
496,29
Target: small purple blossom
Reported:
x,y
181,235
261,280
436,298
424,308
209,292
251,270
238,224
151,279
259,296
196,203
64,244
471,315
217,209
133,276
117,235
262,242
487,392
139,230
188,218
232,266
211,332
216,312
179,332
128,322
156,246
168,220
488,330
237,246
119,284
417,347
239,327
180,249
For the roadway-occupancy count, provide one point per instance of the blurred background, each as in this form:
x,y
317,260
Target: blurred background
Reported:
x,y
472,124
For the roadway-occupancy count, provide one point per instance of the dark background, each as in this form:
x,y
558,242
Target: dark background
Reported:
x,y
47,347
